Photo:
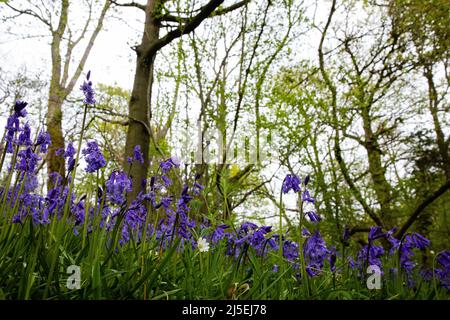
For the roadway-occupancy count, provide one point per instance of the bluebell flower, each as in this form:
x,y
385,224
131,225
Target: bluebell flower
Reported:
x,y
219,233
418,241
19,109
25,136
197,188
332,258
290,250
88,91
291,182
395,243
93,157
346,235
44,141
410,242
306,181
166,180
351,262
305,233
13,124
70,151
247,226
315,252
375,233
27,160
138,155
185,198
370,255
313,216
168,164
166,201
117,185
306,197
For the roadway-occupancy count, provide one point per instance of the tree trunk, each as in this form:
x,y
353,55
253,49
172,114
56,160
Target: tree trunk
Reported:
x,y
55,99
54,128
377,171
433,105
140,103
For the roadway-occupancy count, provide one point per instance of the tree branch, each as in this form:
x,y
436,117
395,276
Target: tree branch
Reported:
x,y
186,28
88,48
425,203
129,4
218,12
31,13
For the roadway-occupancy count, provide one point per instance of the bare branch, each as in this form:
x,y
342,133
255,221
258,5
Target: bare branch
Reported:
x,y
218,12
89,46
31,13
129,4
425,203
186,28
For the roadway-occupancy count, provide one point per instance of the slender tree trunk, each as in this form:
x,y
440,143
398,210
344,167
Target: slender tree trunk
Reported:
x,y
56,163
433,107
140,103
377,171
56,98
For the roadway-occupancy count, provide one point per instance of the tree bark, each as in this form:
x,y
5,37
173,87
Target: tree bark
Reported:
x,y
56,98
140,103
377,172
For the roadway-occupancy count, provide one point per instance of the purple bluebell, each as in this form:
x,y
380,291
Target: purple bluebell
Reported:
x,y
351,262
93,157
306,233
395,243
25,136
166,180
332,258
370,255
219,233
306,197
306,181
137,154
166,201
418,241
168,164
44,141
375,233
70,151
88,91
185,198
346,235
117,185
406,253
315,252
13,124
290,250
291,182
27,160
443,272
313,216
19,109
197,188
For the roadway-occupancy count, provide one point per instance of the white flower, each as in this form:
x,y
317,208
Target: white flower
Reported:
x,y
202,245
